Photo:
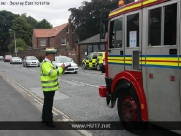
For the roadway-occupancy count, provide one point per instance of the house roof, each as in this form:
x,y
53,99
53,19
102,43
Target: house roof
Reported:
x,y
93,39
48,32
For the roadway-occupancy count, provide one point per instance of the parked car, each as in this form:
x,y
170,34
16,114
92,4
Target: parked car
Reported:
x,y
16,60
31,61
1,58
7,58
59,60
94,60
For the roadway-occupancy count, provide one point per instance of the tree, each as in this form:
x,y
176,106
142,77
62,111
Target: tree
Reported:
x,y
87,17
44,24
6,18
30,20
23,29
21,24
20,45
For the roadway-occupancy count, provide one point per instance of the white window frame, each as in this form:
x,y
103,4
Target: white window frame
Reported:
x,y
64,40
43,42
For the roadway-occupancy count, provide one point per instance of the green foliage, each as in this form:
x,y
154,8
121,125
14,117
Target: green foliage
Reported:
x,y
22,29
21,24
6,18
30,20
20,44
44,24
87,17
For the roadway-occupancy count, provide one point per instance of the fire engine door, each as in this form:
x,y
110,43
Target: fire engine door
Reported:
x,y
132,41
115,46
161,74
124,43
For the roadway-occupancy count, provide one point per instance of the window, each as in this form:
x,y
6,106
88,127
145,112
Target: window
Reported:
x,y
43,42
102,47
133,30
162,27
95,48
63,41
77,40
67,30
89,49
170,24
89,56
94,56
154,27
116,34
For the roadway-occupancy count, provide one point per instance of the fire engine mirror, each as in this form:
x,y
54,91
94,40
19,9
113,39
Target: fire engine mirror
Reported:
x,y
102,31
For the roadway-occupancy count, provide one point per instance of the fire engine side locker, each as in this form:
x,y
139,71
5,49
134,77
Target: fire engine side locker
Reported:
x,y
161,80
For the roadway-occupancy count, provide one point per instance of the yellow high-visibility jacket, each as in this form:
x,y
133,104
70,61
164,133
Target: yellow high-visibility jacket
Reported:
x,y
49,76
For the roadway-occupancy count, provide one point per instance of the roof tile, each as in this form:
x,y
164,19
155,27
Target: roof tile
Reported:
x,y
40,33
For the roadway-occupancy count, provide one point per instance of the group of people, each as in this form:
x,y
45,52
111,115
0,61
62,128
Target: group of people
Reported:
x,y
49,79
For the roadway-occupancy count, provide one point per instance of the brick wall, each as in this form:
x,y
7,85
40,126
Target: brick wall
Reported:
x,y
40,53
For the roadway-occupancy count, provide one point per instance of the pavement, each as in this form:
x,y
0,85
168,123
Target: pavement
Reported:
x,y
19,117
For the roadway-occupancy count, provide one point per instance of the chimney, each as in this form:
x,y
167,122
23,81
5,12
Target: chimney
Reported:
x,y
69,20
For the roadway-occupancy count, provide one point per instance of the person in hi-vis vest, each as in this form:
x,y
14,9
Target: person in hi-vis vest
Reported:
x,y
49,80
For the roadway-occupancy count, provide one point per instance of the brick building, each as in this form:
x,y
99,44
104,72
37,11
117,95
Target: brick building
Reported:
x,y
61,37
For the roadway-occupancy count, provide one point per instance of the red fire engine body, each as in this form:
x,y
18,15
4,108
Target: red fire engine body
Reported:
x,y
142,62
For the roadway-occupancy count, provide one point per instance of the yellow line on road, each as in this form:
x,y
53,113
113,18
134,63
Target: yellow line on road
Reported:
x,y
38,100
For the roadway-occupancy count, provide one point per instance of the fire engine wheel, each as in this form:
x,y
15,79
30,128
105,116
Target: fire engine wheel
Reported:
x,y
129,111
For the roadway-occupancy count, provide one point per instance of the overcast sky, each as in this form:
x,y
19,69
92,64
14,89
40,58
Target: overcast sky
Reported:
x,y
54,11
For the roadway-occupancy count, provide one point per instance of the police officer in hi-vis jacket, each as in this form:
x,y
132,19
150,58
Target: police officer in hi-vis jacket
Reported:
x,y
49,80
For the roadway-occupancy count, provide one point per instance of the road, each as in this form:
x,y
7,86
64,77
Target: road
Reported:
x,y
77,99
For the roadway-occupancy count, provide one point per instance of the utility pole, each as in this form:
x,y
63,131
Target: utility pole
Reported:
x,y
15,49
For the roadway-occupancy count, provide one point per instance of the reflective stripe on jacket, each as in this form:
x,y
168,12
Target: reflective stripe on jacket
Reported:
x,y
49,76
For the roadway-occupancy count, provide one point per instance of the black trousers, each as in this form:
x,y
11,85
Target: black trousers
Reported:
x,y
47,114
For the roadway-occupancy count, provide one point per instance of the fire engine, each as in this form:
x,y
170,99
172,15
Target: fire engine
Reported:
x,y
142,62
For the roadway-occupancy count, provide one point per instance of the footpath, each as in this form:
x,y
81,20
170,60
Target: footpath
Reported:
x,y
18,117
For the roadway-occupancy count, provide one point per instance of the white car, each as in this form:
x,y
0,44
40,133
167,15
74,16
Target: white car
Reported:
x,y
31,61
16,60
59,60
1,58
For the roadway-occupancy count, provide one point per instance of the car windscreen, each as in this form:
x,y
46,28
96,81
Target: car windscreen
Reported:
x,y
31,58
99,54
15,57
8,56
62,59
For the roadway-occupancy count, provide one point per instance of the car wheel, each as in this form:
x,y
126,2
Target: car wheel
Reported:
x,y
83,66
98,67
129,110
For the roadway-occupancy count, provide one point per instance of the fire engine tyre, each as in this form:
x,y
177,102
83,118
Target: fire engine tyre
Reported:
x,y
83,66
129,110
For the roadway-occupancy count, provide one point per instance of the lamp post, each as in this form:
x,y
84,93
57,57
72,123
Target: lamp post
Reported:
x,y
15,50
